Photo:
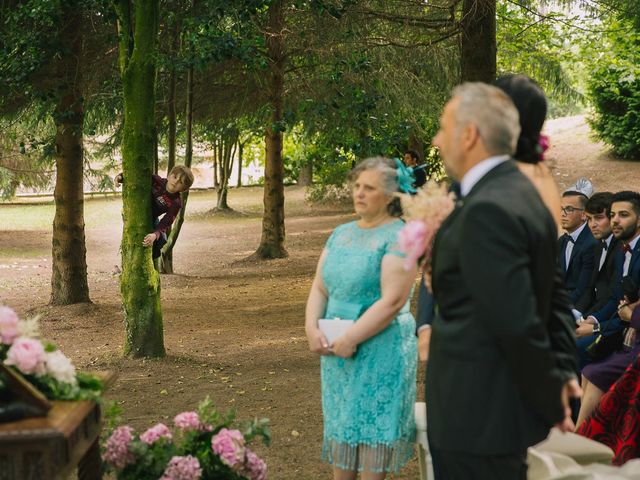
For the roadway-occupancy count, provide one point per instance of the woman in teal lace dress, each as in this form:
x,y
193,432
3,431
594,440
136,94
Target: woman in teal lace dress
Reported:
x,y
368,374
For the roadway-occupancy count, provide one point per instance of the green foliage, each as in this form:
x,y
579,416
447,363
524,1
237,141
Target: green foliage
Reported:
x,y
545,49
614,89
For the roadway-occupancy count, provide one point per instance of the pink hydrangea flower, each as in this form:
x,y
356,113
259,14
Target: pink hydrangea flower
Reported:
x,y
412,240
255,467
8,325
117,452
155,433
229,446
27,355
188,421
182,468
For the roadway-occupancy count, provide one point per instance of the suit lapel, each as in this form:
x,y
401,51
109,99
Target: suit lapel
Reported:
x,y
578,243
501,169
634,257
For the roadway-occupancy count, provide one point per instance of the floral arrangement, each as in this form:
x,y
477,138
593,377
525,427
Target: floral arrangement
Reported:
x,y
424,212
202,446
40,363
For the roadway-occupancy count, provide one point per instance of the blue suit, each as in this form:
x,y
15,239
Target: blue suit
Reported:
x,y
607,316
578,273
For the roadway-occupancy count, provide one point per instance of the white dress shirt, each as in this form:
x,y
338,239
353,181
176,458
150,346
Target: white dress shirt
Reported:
x,y
569,247
478,171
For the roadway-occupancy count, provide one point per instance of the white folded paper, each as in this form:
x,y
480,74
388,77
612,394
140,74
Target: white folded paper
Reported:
x,y
334,327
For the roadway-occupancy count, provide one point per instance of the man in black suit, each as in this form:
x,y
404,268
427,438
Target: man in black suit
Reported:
x,y
501,358
575,252
412,160
625,224
601,285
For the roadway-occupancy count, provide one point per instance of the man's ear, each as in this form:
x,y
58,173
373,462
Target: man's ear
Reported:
x,y
470,136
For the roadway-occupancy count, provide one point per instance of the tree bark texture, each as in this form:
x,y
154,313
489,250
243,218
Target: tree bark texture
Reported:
x,y
69,264
478,42
240,160
228,144
305,176
273,232
139,281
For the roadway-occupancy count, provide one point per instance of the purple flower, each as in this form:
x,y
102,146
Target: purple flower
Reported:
x,y
182,468
155,433
229,446
27,355
117,452
255,468
8,325
188,421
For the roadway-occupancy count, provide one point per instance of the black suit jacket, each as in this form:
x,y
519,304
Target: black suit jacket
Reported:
x,y
601,285
577,274
502,344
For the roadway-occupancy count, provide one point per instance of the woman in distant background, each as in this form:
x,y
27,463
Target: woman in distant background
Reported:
x,y
369,374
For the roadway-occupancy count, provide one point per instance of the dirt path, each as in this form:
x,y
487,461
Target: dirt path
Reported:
x,y
233,329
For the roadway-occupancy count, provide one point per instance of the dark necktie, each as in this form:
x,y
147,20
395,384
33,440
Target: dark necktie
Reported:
x,y
568,238
626,248
605,247
455,188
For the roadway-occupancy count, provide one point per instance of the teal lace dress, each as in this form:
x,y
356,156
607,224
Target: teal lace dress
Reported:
x,y
368,399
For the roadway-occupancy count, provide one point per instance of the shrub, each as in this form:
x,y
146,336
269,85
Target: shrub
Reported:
x,y
614,88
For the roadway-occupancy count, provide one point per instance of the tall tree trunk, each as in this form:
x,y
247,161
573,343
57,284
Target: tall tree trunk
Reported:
x,y
273,233
240,160
69,267
305,176
229,142
171,102
139,282
478,44
165,262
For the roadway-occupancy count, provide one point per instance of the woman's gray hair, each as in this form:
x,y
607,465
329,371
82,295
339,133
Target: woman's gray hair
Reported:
x,y
389,176
492,112
385,166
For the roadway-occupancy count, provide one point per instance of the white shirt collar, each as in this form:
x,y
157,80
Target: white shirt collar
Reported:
x,y
478,171
576,233
608,240
632,243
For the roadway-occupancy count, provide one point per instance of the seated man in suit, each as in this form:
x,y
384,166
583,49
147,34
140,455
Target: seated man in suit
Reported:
x,y
625,223
598,211
575,248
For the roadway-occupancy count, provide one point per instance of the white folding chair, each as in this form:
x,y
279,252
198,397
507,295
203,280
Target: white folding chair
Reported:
x,y
424,456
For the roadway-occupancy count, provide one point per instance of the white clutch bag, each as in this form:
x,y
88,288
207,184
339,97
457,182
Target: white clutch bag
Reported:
x,y
334,327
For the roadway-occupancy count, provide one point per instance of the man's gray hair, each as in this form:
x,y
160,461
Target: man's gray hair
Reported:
x,y
492,112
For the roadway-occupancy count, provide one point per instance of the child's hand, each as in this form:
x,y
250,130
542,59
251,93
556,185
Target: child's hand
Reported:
x,y
148,240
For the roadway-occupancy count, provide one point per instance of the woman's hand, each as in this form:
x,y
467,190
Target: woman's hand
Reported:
x,y
343,347
318,342
625,310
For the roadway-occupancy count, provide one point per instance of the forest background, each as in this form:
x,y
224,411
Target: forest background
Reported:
x,y
303,89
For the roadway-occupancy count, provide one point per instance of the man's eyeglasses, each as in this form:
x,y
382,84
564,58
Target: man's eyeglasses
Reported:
x,y
570,210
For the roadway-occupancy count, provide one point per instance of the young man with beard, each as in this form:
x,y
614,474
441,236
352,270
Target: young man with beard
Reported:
x,y
597,377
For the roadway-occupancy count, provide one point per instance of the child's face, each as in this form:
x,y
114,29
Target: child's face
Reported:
x,y
175,184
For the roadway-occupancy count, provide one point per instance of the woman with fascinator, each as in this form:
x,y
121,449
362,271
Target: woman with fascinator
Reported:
x,y
368,372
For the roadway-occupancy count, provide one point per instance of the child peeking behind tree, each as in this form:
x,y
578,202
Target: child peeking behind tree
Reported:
x,y
165,200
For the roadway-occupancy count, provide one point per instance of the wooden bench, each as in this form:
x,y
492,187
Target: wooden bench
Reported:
x,y
49,448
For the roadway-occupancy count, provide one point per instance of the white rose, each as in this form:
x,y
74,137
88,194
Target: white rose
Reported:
x,y
60,367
